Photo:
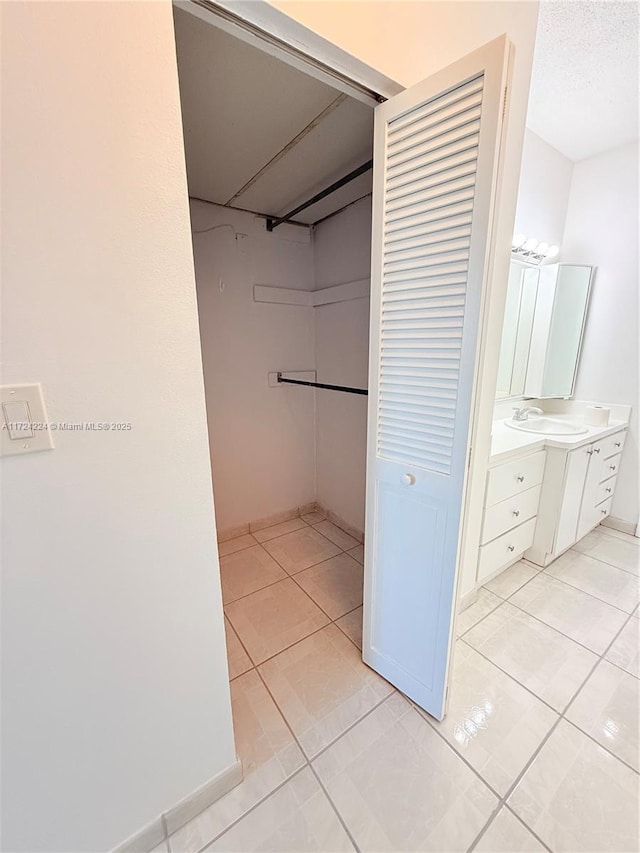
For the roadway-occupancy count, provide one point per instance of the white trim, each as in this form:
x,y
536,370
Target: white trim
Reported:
x,y
281,295
203,797
159,830
312,298
144,840
342,292
262,25
621,525
468,599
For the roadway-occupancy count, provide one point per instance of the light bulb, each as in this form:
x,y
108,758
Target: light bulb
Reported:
x,y
543,249
553,251
530,244
518,240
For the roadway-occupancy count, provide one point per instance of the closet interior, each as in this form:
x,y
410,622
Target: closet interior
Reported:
x,y
279,178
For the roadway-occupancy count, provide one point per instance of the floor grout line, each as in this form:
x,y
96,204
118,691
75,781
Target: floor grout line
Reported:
x,y
600,560
302,639
561,715
538,750
289,575
335,809
428,719
597,597
553,627
533,616
566,583
244,814
512,677
527,827
308,761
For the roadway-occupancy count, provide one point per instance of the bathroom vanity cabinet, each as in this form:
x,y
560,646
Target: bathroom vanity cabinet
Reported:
x,y
577,493
543,494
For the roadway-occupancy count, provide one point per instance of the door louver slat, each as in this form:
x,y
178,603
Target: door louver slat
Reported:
x,y
431,162
445,101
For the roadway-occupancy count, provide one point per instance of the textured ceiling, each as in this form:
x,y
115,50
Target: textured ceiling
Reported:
x,y
261,135
584,90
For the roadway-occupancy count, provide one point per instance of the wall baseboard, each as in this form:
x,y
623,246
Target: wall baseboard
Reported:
x,y
268,521
287,515
618,524
145,840
342,524
159,830
467,599
203,797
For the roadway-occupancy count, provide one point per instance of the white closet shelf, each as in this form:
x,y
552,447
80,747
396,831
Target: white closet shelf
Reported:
x,y
311,298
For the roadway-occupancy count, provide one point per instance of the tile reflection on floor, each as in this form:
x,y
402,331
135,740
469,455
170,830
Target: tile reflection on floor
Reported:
x,y
493,722
546,662
538,751
398,785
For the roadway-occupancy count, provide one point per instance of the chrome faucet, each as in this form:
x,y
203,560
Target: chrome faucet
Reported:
x,y
523,413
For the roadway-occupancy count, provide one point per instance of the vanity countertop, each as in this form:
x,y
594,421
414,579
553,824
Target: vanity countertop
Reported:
x,y
508,443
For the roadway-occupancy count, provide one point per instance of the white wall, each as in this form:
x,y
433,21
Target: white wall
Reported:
x,y
342,253
602,230
115,701
262,439
543,194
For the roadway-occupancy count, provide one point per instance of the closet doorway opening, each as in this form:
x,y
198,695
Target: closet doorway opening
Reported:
x,y
281,294
318,395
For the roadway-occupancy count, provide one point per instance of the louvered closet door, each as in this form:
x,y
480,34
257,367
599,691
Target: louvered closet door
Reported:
x,y
435,176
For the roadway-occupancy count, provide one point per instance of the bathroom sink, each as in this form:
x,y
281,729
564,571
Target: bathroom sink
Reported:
x,y
546,426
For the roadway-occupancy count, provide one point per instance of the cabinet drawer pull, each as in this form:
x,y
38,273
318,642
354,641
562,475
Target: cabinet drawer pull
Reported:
x,y
618,444
603,511
516,512
520,478
596,450
612,467
608,489
511,548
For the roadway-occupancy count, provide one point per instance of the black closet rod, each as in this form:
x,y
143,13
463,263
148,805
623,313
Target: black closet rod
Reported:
x,y
273,222
323,385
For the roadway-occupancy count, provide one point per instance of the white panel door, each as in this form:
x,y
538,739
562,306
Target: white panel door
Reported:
x,y
436,155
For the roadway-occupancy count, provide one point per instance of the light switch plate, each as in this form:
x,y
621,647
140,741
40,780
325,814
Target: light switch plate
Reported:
x,y
24,427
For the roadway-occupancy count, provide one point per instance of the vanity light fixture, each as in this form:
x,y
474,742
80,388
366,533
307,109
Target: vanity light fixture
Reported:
x,y
528,249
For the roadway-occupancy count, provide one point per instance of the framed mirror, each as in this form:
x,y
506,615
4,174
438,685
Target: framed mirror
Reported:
x,y
545,315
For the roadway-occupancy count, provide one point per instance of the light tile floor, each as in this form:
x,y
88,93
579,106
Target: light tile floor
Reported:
x,y
539,749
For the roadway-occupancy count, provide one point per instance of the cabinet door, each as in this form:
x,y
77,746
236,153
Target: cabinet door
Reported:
x,y
589,516
436,158
574,483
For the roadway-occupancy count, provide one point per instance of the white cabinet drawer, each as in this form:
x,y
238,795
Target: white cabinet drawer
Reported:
x,y
606,490
507,514
612,444
609,467
603,510
592,516
505,549
510,479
